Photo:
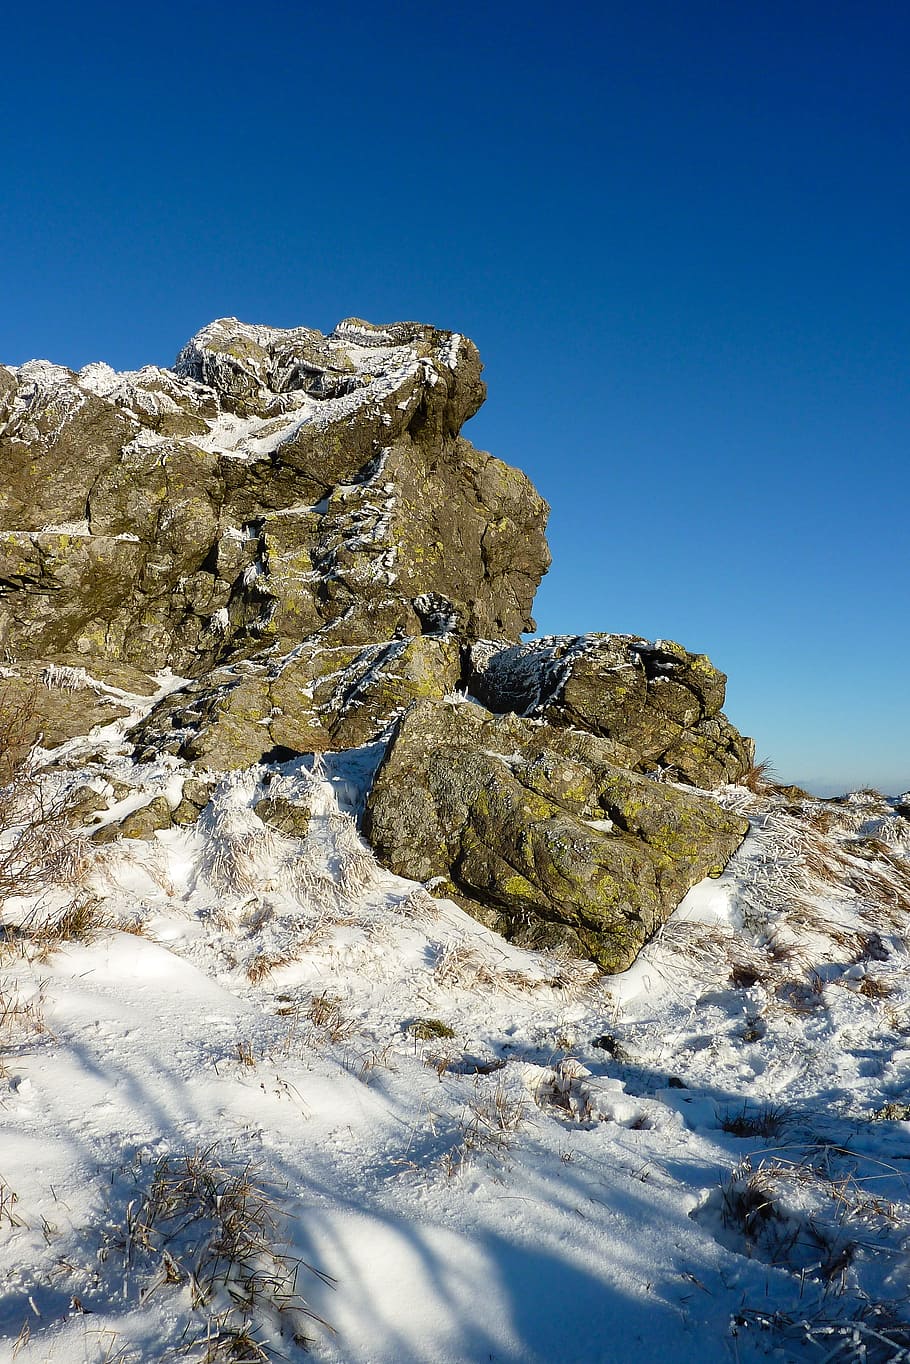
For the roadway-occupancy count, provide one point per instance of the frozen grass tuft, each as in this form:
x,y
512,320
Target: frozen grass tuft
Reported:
x,y
878,1333
767,1121
488,1126
21,1016
212,1235
459,962
759,778
240,854
358,869
813,1216
8,1200
326,1013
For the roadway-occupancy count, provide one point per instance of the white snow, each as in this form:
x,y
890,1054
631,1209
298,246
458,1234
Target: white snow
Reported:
x,y
681,1160
449,354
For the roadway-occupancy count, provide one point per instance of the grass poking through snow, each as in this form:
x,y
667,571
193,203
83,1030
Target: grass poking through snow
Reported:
x,y
209,1233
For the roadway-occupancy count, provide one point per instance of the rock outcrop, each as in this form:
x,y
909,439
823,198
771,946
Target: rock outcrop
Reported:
x,y
294,524
537,832
275,484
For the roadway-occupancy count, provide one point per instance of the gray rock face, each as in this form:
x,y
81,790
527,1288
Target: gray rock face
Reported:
x,y
538,833
314,699
659,702
294,523
275,484
48,704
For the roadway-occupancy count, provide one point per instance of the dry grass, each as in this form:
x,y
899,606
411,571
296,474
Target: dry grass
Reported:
x,y
839,1228
245,1053
364,1064
326,1013
18,726
311,878
870,869
812,891
21,1018
358,869
874,986
8,1200
878,1333
37,846
265,963
97,1346
418,905
488,1126
758,1188
44,931
239,856
709,949
767,1121
41,858
759,778
802,995
813,894
213,1229
459,963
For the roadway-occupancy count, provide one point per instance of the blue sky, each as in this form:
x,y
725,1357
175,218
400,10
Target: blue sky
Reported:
x,y
678,234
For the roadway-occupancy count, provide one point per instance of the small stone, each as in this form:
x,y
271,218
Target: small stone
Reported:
x,y
291,818
197,792
143,823
428,1029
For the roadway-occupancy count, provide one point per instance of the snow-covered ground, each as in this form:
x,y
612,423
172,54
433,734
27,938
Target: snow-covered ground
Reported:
x,y
274,1090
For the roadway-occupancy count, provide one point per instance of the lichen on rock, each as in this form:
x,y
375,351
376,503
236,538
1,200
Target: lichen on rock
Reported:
x,y
274,484
538,833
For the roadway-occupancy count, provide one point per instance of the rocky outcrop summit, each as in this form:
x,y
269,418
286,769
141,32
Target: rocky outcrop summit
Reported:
x,y
294,525
274,484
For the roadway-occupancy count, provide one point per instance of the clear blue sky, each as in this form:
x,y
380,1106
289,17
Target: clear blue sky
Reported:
x,y
678,233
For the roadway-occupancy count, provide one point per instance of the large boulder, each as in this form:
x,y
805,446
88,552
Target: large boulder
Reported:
x,y
275,484
538,833
661,703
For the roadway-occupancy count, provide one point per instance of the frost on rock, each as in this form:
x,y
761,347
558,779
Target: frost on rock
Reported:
x,y
661,703
338,455
438,615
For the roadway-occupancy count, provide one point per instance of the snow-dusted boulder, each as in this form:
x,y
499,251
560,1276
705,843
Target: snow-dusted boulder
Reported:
x,y
538,833
660,702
